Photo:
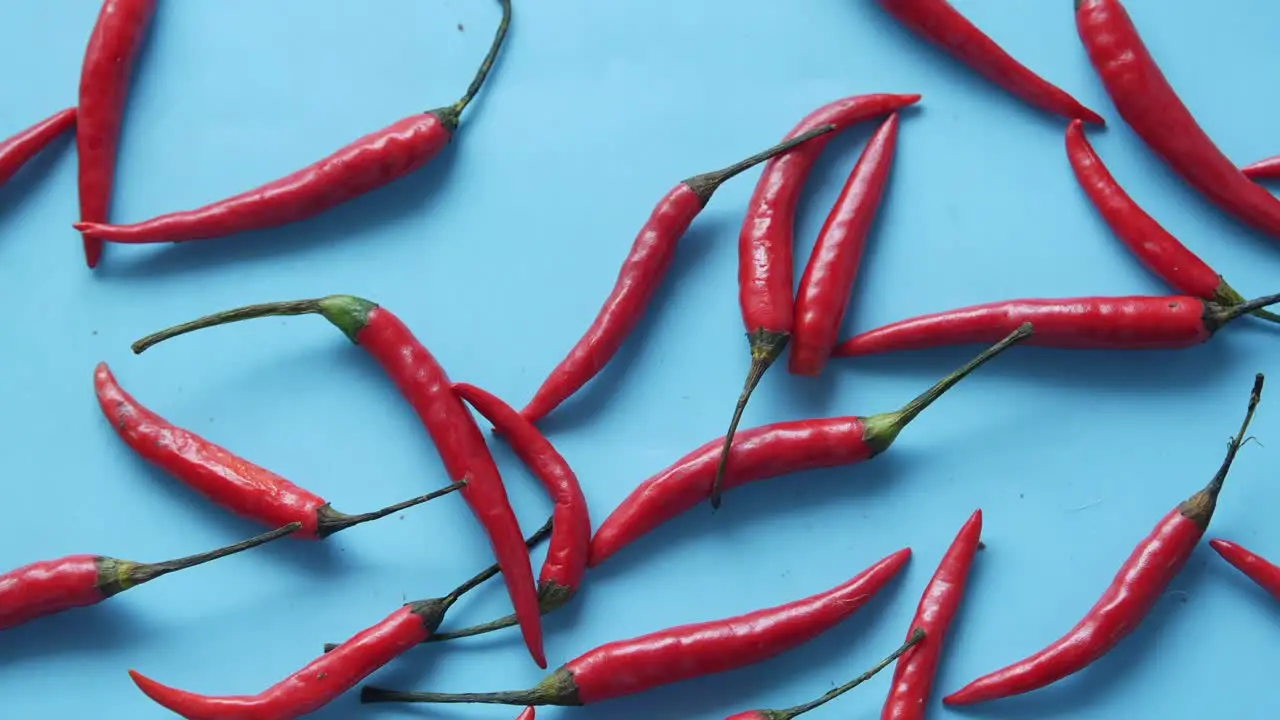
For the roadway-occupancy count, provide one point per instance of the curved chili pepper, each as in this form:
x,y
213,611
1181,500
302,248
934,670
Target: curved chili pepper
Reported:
x,y
375,160
642,273
765,244
1159,251
223,477
1268,169
1255,567
1141,581
1147,102
791,713
458,440
633,666
828,279
768,452
1099,323
324,679
943,26
53,586
21,148
104,88
913,677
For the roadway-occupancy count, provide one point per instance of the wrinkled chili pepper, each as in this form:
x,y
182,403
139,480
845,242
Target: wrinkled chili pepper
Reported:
x,y
1097,323
791,713
767,452
327,677
458,440
1161,253
53,586
633,666
1268,169
765,244
1142,579
246,489
1255,567
104,89
643,271
828,279
942,25
913,677
375,160
1147,102
21,148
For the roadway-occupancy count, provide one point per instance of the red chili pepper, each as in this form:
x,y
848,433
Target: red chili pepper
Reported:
x,y
1141,581
21,148
528,714
633,666
424,383
375,160
642,273
765,245
828,279
791,713
1159,251
227,479
1149,104
1255,567
1098,323
913,677
768,452
1268,169
53,586
104,88
941,24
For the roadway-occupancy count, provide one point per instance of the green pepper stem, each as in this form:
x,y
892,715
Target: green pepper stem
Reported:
x,y
332,521
486,65
139,574
917,636
705,185
1199,507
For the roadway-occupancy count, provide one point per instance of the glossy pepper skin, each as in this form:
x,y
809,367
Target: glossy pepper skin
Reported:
x,y
1143,578
1149,104
18,150
914,675
54,586
642,273
827,283
375,160
1090,323
422,381
768,452
942,25
104,89
628,667
1268,169
1255,567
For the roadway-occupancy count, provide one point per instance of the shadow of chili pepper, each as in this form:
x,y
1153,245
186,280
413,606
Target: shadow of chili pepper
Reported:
x,y
103,628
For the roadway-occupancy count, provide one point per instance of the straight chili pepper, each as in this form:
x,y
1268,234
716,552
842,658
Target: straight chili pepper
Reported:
x,y
1268,169
104,89
793,712
828,279
1255,567
21,148
768,452
765,244
529,713
1158,250
1147,102
913,677
1098,323
1142,579
642,273
246,489
375,160
458,440
942,25
633,666
53,586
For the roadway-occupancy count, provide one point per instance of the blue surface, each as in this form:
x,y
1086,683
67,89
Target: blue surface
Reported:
x,y
498,255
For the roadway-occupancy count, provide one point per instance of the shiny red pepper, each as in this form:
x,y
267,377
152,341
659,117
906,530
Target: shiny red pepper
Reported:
x,y
1268,169
21,148
375,160
104,89
1255,567
458,440
633,666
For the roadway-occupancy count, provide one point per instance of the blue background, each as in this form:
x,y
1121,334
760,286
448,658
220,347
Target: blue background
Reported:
x,y
498,255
